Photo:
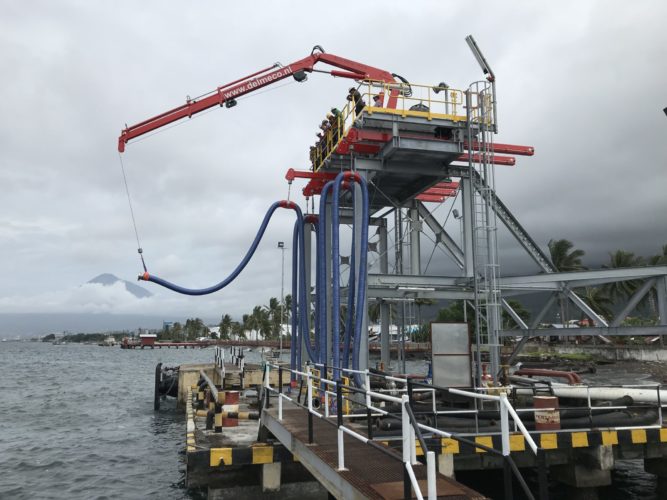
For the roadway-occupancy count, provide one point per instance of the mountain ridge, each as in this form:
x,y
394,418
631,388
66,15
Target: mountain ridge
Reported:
x,y
108,279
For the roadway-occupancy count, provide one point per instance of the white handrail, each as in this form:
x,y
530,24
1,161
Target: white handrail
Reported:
x,y
413,480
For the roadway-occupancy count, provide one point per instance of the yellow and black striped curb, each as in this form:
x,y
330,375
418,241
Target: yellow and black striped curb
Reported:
x,y
240,455
548,440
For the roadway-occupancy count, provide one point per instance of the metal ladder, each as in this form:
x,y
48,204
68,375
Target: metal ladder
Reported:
x,y
486,269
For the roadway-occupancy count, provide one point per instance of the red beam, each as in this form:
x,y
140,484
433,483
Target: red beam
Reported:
x,y
495,159
440,192
309,174
430,198
510,149
447,185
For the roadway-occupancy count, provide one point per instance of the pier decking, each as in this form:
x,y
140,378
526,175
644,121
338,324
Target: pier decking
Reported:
x,y
369,473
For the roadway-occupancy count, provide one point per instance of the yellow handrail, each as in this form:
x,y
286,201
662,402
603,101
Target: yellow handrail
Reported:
x,y
425,101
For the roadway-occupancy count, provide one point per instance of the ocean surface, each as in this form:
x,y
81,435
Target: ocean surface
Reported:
x,y
77,422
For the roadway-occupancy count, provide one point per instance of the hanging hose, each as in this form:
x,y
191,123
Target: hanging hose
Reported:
x,y
304,290
321,276
205,291
295,354
363,260
335,271
356,288
350,293
313,220
300,327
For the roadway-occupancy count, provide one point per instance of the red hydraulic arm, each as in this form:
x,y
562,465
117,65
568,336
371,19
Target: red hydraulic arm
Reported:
x,y
228,93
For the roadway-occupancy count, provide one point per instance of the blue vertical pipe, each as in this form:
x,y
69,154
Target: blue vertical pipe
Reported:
x,y
303,291
363,274
295,360
321,273
350,299
335,271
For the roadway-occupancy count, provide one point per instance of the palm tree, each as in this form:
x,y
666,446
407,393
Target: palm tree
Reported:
x,y
597,299
564,259
273,311
260,321
419,302
225,327
651,298
621,290
659,259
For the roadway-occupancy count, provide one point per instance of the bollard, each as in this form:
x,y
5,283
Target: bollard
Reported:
x,y
156,392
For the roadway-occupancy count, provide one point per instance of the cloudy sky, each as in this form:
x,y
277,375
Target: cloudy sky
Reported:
x,y
583,82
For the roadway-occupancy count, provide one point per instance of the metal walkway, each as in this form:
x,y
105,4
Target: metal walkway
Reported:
x,y
368,473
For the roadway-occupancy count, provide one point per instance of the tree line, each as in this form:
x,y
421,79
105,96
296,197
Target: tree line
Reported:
x,y
602,299
267,319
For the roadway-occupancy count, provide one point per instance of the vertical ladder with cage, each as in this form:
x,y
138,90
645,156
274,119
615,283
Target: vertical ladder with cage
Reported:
x,y
487,300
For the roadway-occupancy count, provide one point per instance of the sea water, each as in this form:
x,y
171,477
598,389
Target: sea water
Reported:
x,y
77,422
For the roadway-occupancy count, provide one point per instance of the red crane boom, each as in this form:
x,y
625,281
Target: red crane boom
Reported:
x,y
227,94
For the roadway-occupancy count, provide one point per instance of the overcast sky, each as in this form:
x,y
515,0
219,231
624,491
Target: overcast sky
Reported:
x,y
582,82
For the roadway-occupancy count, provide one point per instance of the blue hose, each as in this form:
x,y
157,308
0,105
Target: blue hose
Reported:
x,y
350,298
321,279
335,271
355,290
298,292
361,289
303,312
295,344
239,268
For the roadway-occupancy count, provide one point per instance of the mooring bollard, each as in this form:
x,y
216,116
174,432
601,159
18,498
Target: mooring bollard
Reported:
x,y
156,393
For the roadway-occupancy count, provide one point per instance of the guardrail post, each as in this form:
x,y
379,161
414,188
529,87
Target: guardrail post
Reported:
x,y
326,401
504,425
505,439
339,422
267,386
431,475
280,380
659,405
339,403
542,474
407,487
309,392
405,431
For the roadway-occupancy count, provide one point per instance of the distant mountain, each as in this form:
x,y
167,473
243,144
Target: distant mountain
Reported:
x,y
107,279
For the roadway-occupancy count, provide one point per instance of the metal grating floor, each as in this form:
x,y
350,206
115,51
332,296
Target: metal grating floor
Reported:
x,y
370,471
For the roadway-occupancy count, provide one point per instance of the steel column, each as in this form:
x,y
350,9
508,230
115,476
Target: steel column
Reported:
x,y
385,352
466,204
307,239
415,250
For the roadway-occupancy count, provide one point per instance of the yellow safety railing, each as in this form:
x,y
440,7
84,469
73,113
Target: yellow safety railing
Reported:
x,y
339,123
438,102
425,101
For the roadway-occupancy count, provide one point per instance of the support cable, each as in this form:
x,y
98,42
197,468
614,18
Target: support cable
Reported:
x,y
140,251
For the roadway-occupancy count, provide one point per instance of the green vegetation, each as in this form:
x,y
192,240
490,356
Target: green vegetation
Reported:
x,y
264,319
